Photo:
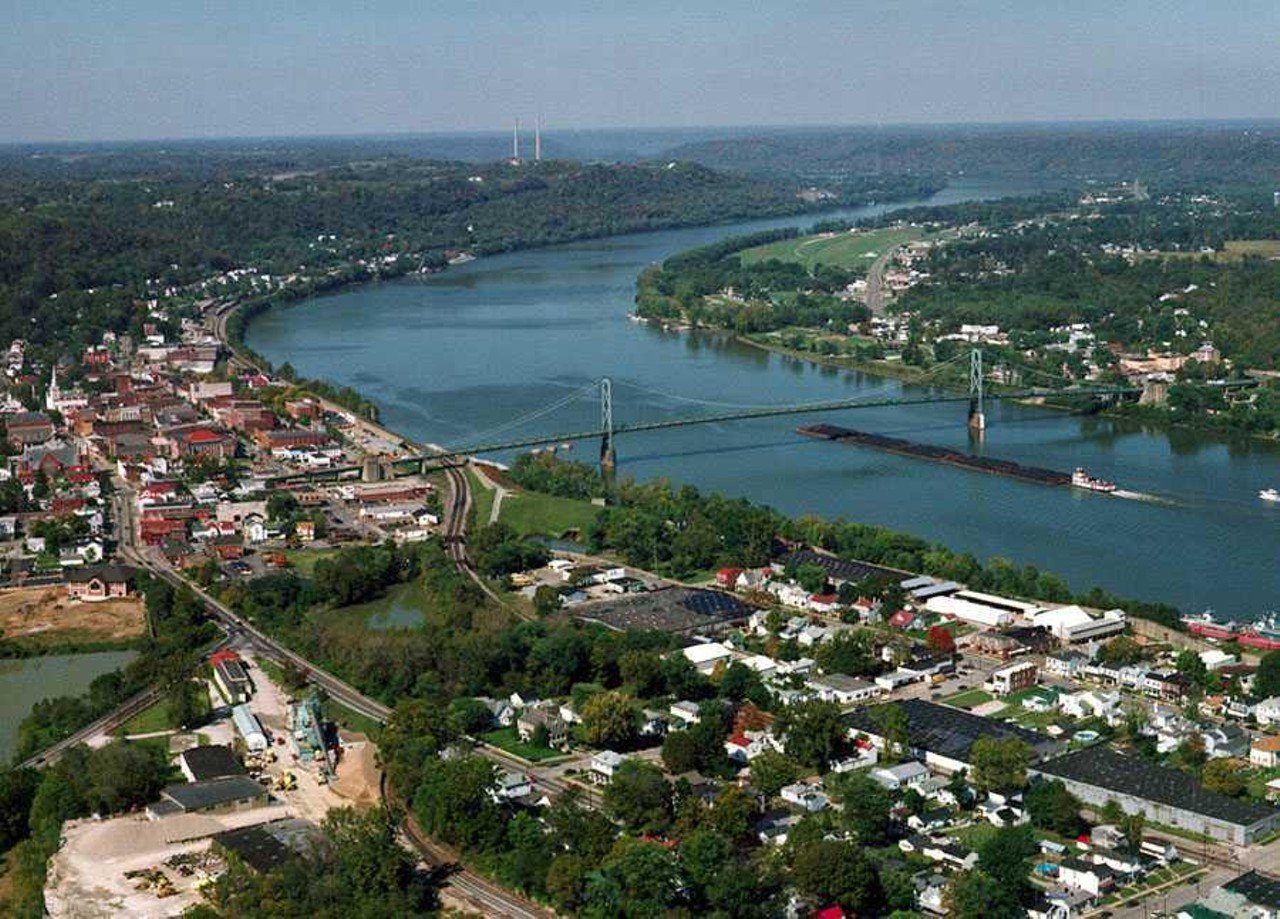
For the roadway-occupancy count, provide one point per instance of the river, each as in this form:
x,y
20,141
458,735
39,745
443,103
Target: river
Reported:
x,y
26,681
451,357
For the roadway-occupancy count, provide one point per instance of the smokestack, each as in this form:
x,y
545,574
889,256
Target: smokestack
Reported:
x,y
515,141
537,139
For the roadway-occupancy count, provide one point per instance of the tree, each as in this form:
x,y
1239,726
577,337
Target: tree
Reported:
x,y
187,704
940,640
811,577
850,652
977,895
1266,682
637,879
1120,651
1223,776
1192,667
891,720
1000,764
639,797
546,600
680,752
837,872
1051,807
1006,856
866,806
814,732
469,716
1191,755
610,719
454,801
771,771
17,791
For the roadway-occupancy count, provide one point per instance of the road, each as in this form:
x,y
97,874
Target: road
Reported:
x,y
875,281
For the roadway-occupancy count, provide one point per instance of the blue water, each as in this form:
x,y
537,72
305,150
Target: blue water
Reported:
x,y
452,357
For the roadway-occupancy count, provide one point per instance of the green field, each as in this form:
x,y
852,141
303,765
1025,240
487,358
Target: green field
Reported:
x,y
535,514
481,498
970,698
842,250
508,739
304,560
349,720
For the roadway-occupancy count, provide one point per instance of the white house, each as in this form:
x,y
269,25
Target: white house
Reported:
x,y
902,776
705,656
842,689
1268,711
603,766
687,712
511,785
809,797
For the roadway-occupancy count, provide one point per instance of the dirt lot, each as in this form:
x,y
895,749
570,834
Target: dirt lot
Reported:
x,y
46,615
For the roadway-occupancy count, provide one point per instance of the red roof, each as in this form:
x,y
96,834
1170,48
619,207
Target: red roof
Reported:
x,y
223,655
901,618
830,912
739,740
824,598
203,436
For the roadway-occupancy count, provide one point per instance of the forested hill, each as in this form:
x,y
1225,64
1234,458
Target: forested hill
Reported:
x,y
94,235
1172,155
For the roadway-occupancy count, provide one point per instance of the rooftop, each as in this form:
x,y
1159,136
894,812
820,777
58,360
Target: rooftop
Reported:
x,y
838,569
211,762
254,846
1256,888
1131,775
950,732
196,796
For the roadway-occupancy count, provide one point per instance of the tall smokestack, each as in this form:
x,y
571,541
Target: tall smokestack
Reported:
x,y
515,140
537,139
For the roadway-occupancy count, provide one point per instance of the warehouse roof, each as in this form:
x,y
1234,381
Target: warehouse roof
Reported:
x,y
951,732
255,847
195,796
211,762
1134,776
837,568
1258,889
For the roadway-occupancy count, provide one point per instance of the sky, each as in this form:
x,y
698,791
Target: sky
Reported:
x,y
145,69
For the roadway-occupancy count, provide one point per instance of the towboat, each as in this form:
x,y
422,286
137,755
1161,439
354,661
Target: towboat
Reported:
x,y
1081,479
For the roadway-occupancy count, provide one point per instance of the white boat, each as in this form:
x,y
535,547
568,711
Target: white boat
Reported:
x,y
1269,494
1082,479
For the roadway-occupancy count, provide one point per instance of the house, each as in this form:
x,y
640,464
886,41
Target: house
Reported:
x,y
231,678
1268,711
504,714
842,689
511,785
1065,664
930,891
1095,880
93,583
603,766
803,795
1265,752
1013,678
1090,703
774,827
706,656
946,852
902,776
688,712
931,821
546,716
1226,740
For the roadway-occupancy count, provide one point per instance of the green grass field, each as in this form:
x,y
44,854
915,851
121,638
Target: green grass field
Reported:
x,y
970,698
536,514
842,250
304,560
507,739
345,718
481,497
147,721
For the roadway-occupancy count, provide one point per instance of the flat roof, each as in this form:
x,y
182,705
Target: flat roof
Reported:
x,y
1256,888
1131,775
837,568
670,609
211,762
196,796
254,846
951,732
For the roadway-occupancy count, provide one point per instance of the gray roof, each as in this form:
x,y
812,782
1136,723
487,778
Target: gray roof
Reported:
x,y
950,732
1134,776
197,796
211,762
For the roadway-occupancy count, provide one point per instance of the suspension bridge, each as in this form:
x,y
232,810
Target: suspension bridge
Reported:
x,y
608,430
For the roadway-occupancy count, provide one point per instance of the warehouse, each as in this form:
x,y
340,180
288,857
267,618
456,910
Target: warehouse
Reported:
x,y
943,736
249,728
1097,775
1072,624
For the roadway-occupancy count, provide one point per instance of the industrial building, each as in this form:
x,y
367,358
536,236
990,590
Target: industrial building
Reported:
x,y
943,736
229,793
231,678
249,729
1074,624
1097,775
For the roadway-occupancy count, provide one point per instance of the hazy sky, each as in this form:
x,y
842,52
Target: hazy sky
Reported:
x,y
105,69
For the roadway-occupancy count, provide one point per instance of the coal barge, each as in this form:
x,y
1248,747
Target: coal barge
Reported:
x,y
936,454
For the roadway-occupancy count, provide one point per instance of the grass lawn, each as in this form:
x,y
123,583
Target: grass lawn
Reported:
x,y
481,497
970,698
534,514
155,718
509,740
304,560
344,717
842,250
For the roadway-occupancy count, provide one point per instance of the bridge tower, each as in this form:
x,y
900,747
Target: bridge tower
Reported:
x,y
977,413
608,458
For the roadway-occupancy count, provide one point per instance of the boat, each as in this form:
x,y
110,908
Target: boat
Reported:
x,y
1206,625
1263,634
1081,479
1269,494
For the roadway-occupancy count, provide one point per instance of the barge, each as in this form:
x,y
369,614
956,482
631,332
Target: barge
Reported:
x,y
951,457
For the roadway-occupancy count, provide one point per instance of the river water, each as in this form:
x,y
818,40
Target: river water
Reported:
x,y
26,681
451,357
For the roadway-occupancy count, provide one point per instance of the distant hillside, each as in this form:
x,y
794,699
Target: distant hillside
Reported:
x,y
1168,155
